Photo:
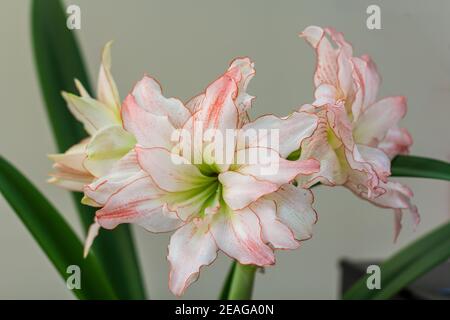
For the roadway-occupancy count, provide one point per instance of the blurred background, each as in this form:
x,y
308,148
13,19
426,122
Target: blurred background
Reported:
x,y
186,45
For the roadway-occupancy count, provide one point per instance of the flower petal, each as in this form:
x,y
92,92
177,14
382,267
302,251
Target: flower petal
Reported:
x,y
397,141
289,131
374,123
266,164
106,87
170,171
191,247
106,147
149,129
294,209
273,230
148,95
238,234
368,80
125,171
93,114
139,202
239,190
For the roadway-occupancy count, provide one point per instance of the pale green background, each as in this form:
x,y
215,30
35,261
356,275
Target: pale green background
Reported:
x,y
187,44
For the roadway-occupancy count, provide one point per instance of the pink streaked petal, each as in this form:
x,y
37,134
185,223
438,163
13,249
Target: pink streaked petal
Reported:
x,y
191,247
239,190
326,66
149,129
170,172
218,109
378,159
148,95
374,123
139,202
238,234
69,178
369,81
291,131
273,230
294,209
123,172
246,71
397,141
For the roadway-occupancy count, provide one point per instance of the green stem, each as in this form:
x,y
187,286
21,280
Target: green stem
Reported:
x,y
241,283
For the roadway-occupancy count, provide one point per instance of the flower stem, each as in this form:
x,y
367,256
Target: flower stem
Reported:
x,y
239,285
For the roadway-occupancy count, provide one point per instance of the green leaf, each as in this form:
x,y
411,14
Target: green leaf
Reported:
x,y
413,166
58,61
407,265
239,282
53,234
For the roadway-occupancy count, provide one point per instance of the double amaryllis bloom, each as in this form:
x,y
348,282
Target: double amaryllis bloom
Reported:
x,y
357,135
221,181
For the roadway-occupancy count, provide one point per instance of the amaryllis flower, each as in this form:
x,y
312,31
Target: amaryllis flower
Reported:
x,y
357,135
107,142
184,175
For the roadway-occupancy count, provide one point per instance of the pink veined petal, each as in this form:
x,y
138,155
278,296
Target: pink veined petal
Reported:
x,y
69,178
374,123
345,68
139,202
289,131
123,172
246,71
294,209
195,103
325,94
149,129
218,109
170,172
266,164
106,88
317,147
378,159
397,141
238,234
148,95
326,66
191,247
273,230
239,190
369,81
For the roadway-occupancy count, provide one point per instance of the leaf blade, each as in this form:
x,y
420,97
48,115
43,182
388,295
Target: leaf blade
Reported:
x,y
58,61
406,266
52,233
420,167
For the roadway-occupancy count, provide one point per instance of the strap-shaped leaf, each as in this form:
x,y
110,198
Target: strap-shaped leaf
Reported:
x,y
58,61
53,234
413,166
407,265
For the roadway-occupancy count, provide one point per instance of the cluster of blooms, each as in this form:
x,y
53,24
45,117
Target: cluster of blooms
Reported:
x,y
133,169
